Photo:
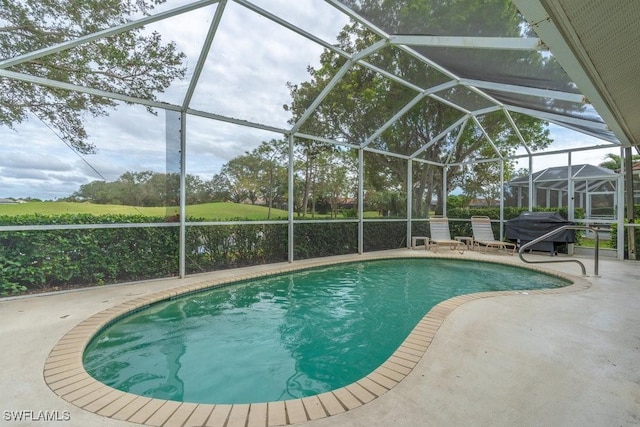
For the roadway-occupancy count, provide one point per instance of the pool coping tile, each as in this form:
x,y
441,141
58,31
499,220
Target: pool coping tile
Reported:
x,y
65,375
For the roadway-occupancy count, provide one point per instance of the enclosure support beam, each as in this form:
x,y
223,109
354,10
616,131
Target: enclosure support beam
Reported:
x,y
183,195
620,216
501,200
631,232
409,201
571,201
61,47
495,43
445,190
204,52
290,201
360,201
531,189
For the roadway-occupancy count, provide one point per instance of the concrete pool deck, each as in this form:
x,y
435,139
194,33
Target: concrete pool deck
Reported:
x,y
570,358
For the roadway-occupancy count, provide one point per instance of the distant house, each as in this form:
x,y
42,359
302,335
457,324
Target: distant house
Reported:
x,y
7,201
593,189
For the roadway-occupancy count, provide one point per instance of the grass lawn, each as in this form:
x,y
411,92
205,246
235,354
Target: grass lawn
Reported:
x,y
206,211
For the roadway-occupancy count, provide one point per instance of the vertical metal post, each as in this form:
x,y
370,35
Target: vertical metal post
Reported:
x,y
445,171
290,202
620,214
631,232
588,200
183,195
571,199
360,201
409,201
531,189
501,199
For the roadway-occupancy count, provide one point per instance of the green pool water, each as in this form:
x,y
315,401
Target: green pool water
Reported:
x,y
286,336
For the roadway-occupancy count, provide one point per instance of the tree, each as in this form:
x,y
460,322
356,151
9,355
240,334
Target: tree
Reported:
x,y
307,155
220,188
145,188
272,175
130,63
243,173
134,188
333,179
614,161
100,192
364,100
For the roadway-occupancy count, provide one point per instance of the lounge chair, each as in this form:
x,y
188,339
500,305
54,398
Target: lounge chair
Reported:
x,y
483,235
440,235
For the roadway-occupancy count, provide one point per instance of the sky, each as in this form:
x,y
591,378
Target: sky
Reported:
x,y
245,77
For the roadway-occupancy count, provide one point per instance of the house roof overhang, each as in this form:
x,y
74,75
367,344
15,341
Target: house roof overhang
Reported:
x,y
596,42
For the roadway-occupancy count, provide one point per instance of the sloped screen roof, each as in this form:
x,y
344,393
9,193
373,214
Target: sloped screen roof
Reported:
x,y
487,48
471,58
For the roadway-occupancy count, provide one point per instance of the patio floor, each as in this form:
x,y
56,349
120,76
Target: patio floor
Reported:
x,y
570,359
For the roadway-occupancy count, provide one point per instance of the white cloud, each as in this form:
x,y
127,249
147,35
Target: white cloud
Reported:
x,y
245,77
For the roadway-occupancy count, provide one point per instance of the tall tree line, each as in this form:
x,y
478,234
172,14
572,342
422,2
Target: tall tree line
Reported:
x,y
324,181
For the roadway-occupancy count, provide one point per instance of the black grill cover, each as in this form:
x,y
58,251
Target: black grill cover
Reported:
x,y
531,225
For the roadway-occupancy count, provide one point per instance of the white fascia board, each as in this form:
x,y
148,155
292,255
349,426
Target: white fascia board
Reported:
x,y
493,43
566,51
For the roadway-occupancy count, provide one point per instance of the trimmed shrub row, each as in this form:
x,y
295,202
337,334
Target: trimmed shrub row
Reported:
x,y
38,260
51,259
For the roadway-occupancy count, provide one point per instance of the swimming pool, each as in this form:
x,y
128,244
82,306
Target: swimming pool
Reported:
x,y
285,336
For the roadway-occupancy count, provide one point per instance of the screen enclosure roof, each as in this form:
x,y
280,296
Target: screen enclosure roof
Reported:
x,y
565,62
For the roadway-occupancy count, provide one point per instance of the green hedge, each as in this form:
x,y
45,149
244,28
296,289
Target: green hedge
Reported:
x,y
315,240
216,247
379,236
52,259
47,259
614,238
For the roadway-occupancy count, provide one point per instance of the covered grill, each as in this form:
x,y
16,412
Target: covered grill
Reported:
x,y
528,226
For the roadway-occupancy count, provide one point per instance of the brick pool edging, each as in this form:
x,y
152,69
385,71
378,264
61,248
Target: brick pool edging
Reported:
x,y
64,372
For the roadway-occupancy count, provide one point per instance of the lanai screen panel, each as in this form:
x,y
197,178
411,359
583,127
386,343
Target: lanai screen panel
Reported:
x,y
362,102
253,60
407,66
453,37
